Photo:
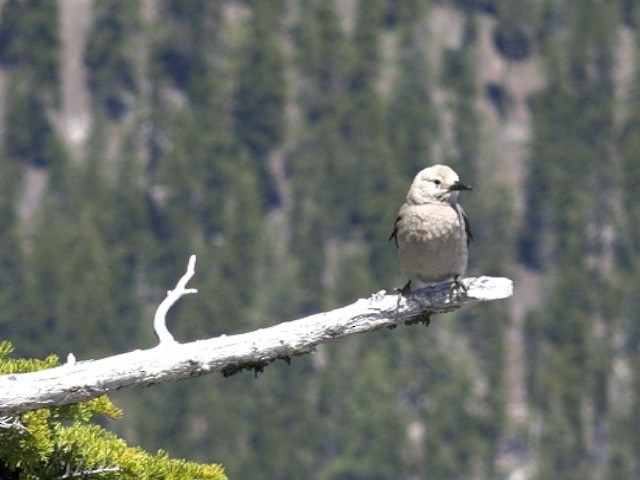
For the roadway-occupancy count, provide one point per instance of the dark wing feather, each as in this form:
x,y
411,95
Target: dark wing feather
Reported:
x,y
467,228
394,234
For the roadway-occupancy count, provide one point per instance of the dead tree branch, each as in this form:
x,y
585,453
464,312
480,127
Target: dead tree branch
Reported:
x,y
79,381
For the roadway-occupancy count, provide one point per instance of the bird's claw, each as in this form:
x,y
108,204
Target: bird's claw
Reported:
x,y
403,291
458,287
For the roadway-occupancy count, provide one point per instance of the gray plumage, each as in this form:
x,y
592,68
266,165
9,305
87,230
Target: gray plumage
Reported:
x,y
432,232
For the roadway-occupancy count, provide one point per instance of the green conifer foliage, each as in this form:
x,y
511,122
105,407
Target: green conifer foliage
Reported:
x,y
624,462
318,162
368,156
190,45
513,33
108,55
52,443
260,94
29,42
29,134
30,51
629,143
459,75
412,118
573,124
372,455
12,258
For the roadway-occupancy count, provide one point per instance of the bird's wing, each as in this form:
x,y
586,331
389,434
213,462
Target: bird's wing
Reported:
x,y
396,225
394,234
467,226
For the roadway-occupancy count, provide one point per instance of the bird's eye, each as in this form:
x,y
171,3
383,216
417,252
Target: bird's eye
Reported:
x,y
436,182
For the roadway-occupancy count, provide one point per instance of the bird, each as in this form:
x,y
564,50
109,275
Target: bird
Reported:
x,y
432,233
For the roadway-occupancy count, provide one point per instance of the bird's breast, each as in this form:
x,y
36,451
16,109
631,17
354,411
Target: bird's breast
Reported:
x,y
432,244
432,224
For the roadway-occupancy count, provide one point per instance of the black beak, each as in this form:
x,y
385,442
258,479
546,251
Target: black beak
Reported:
x,y
459,186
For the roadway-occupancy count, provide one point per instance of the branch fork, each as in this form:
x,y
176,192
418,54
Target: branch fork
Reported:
x,y
159,320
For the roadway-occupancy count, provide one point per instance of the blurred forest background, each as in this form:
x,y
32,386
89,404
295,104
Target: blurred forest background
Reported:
x,y
276,139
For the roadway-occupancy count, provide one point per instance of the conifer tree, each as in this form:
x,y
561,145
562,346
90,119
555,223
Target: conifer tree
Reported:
x,y
378,456
30,42
318,163
30,50
459,75
573,126
190,45
412,118
12,259
625,435
363,129
108,56
513,34
60,442
260,94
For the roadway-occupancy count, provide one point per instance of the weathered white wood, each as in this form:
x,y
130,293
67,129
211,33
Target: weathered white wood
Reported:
x,y
160,320
80,381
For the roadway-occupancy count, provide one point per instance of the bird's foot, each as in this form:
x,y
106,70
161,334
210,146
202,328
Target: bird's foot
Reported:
x,y
403,291
406,289
457,286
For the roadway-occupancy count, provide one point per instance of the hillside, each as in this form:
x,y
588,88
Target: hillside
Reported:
x,y
276,140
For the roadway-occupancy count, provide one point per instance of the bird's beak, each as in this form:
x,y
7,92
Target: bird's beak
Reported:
x,y
459,186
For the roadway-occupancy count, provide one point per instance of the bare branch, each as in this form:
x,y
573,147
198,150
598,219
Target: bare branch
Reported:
x,y
86,473
12,423
171,361
159,320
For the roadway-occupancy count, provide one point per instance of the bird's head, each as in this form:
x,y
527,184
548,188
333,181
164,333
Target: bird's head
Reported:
x,y
438,183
